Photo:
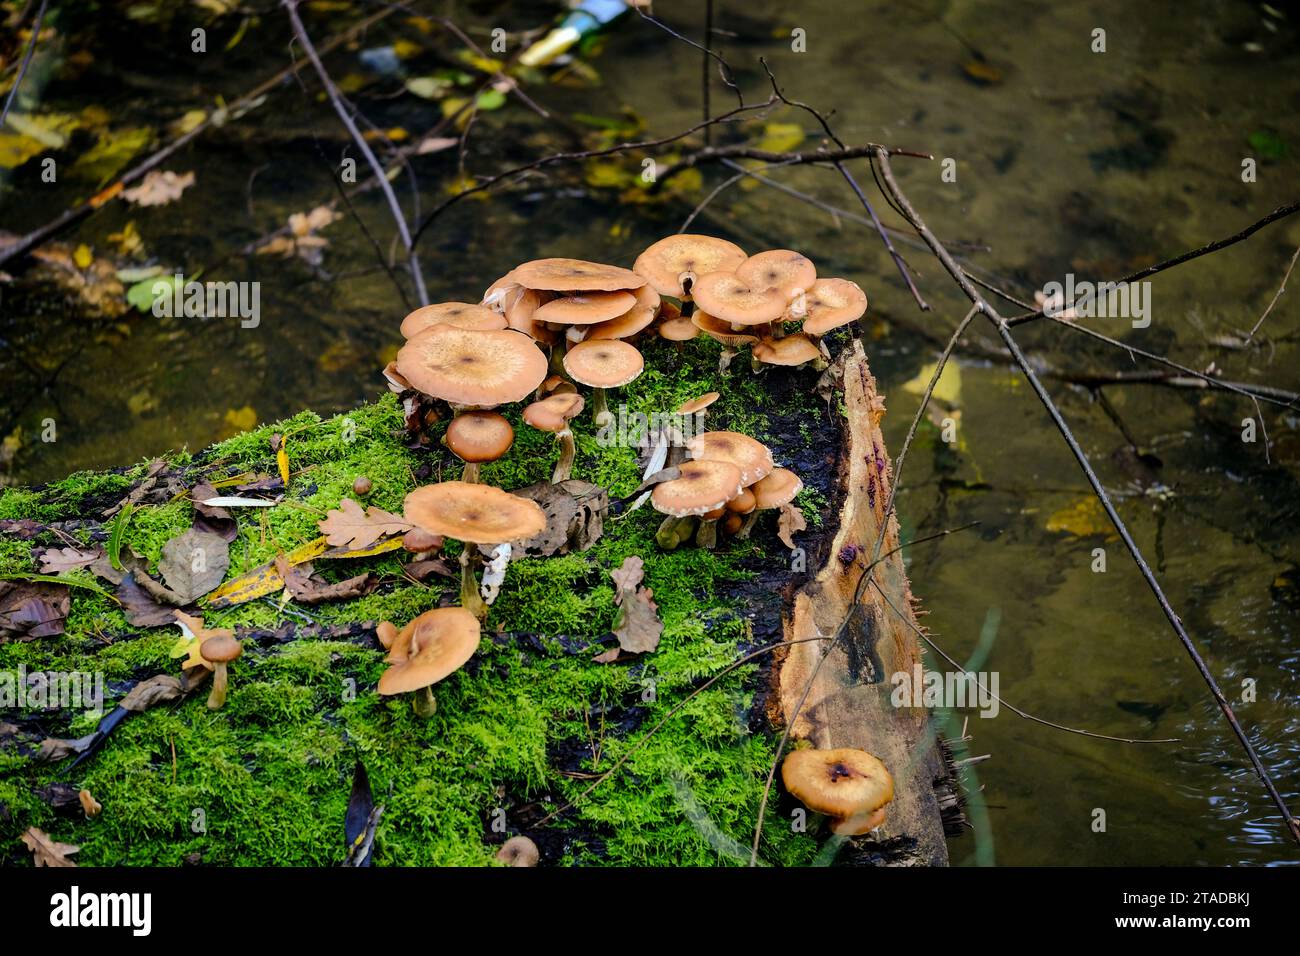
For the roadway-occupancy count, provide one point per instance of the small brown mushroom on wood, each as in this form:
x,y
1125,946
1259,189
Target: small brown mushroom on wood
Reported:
x,y
850,786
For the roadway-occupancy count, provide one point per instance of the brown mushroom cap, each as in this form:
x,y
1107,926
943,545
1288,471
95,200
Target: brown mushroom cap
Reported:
x,y
519,851
775,489
793,349
698,404
466,367
574,275
604,363
787,271
743,503
665,261
479,436
678,329
702,487
624,326
725,296
221,649
434,645
553,414
464,315
752,457
474,513
832,303
721,331
849,785
585,308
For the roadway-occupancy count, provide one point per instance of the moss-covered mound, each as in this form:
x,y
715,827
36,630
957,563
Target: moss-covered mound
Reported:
x,y
519,732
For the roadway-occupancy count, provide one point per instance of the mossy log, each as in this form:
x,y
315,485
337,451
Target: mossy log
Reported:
x,y
848,703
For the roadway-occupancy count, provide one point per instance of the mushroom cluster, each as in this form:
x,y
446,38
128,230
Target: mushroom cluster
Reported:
x,y
741,300
728,479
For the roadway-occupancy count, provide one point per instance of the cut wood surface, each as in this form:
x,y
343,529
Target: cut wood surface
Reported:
x,y
849,704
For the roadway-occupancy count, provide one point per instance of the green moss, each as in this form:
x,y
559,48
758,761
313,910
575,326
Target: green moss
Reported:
x,y
265,780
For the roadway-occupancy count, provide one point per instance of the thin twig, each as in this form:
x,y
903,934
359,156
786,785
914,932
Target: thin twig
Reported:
x,y
336,100
27,59
1276,295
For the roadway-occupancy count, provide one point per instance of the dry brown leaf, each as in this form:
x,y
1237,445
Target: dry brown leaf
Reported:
x,y
353,527
32,609
58,560
47,851
159,188
790,523
193,563
637,625
155,690
306,588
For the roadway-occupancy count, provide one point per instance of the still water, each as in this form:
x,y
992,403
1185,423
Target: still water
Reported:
x,y
1068,161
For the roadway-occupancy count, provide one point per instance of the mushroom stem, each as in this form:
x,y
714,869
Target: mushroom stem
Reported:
x,y
220,682
424,703
600,403
470,598
470,473
748,526
564,467
707,535
673,531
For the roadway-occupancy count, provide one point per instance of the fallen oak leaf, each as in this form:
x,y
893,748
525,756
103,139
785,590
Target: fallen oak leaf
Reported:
x,y
47,851
56,748
156,690
354,527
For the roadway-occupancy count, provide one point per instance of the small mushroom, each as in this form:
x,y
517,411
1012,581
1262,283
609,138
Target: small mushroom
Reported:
x,y
603,364
553,415
797,349
726,296
665,263
519,851
476,437
419,541
463,315
789,272
585,308
89,805
473,514
575,275
702,487
220,651
752,457
428,649
831,303
361,486
774,490
851,786
631,322
472,369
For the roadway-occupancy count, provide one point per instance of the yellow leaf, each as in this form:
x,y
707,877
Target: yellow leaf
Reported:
x,y
263,580
189,121
781,137
405,49
128,240
947,390
1083,519
82,256
113,151
240,419
282,459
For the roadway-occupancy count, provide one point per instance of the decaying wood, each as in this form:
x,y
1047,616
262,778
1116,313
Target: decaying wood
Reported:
x,y
848,704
